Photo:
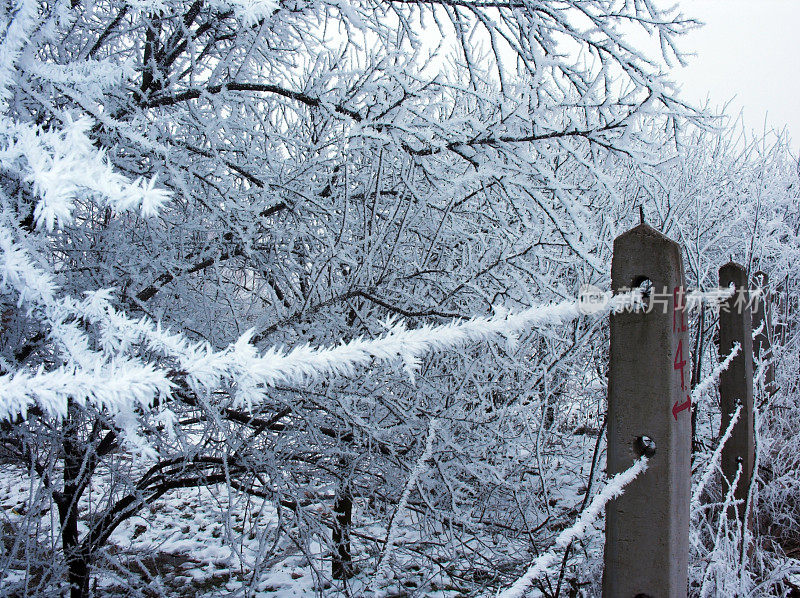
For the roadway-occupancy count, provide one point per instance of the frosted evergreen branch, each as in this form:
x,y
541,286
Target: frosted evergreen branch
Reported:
x,y
613,489
16,32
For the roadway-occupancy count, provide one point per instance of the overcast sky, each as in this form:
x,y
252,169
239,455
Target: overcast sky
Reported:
x,y
748,50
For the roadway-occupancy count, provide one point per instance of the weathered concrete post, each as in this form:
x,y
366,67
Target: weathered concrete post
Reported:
x,y
736,382
762,318
647,528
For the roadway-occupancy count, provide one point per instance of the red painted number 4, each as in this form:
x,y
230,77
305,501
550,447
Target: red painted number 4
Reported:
x,y
680,363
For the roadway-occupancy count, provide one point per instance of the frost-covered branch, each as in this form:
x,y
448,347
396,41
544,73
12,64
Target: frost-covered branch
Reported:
x,y
303,98
63,165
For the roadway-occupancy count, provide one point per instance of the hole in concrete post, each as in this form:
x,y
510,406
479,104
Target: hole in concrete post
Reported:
x,y
644,445
643,286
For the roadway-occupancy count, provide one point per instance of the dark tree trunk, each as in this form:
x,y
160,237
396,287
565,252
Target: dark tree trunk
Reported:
x,y
77,471
78,577
342,559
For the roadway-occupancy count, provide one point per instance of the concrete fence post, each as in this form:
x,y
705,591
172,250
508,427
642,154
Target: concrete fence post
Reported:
x,y
736,382
762,319
649,412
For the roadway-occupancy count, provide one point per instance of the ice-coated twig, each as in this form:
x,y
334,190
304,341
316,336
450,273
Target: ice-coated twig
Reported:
x,y
705,590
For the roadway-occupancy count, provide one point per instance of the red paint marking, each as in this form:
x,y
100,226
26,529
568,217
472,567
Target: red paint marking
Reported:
x,y
680,363
678,407
679,308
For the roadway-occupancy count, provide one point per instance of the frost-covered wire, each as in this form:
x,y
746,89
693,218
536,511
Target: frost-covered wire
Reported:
x,y
614,488
106,386
713,376
241,363
701,387
713,461
747,532
419,468
206,368
304,363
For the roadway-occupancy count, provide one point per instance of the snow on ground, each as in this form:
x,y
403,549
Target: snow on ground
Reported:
x,y
211,542
208,542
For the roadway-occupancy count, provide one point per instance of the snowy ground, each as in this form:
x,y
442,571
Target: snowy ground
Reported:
x,y
209,542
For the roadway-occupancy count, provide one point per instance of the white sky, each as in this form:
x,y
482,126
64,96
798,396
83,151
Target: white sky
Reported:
x,y
749,50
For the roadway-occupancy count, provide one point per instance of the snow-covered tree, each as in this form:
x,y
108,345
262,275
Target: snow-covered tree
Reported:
x,y
189,187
